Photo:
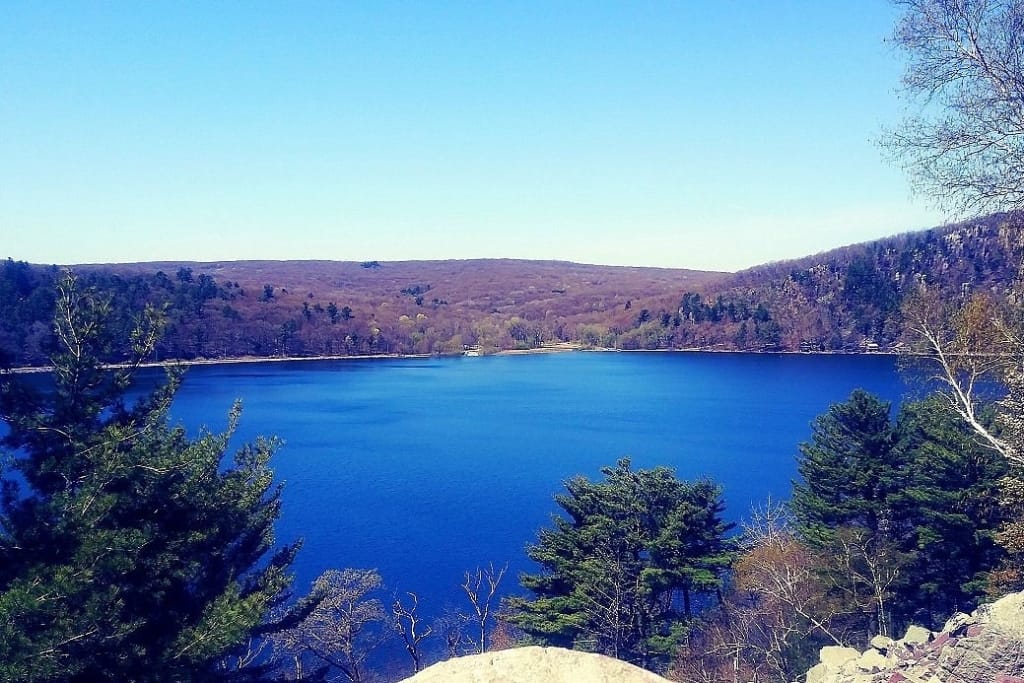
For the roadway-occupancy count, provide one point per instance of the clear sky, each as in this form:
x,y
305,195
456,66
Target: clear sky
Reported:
x,y
709,134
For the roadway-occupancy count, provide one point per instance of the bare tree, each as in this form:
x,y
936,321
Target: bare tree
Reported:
x,y
967,346
410,628
964,146
777,605
343,629
481,588
613,613
451,627
783,571
864,570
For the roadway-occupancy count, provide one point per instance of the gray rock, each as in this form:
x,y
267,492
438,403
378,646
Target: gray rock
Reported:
x,y
873,661
1007,615
535,665
917,635
958,624
817,673
834,656
881,643
986,647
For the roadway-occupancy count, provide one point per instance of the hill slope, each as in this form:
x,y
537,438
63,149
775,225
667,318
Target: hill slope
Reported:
x,y
311,308
847,299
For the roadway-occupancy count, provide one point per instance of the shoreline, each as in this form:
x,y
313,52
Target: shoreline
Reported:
x,y
562,347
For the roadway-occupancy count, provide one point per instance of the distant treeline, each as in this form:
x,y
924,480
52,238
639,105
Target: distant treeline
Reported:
x,y
847,300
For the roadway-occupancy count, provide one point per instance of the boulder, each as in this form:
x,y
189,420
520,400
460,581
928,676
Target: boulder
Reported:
x,y
958,624
873,661
917,635
817,673
1007,615
940,641
535,665
881,643
984,647
834,656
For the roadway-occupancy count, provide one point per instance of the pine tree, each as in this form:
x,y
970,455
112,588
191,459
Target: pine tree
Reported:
x,y
619,573
128,551
847,469
907,514
844,507
950,512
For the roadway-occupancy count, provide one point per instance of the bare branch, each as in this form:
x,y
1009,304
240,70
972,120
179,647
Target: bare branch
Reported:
x,y
481,587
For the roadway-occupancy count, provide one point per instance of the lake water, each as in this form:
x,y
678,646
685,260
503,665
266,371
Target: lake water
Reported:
x,y
425,468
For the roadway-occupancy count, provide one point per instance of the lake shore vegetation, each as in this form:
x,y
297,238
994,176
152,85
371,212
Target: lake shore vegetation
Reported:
x,y
849,300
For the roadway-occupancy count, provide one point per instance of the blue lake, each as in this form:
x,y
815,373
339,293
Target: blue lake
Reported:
x,y
425,468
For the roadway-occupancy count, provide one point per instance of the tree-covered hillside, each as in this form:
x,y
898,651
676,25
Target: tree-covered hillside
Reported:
x,y
314,308
848,299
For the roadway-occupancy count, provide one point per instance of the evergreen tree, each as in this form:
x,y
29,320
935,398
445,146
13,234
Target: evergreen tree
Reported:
x,y
906,515
843,507
950,511
847,470
128,551
621,571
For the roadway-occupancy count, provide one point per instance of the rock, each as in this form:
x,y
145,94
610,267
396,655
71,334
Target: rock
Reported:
x,y
942,640
881,643
986,647
873,661
917,635
1007,615
535,665
834,656
817,673
958,623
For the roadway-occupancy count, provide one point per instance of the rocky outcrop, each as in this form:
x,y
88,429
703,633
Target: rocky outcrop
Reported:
x,y
984,647
535,665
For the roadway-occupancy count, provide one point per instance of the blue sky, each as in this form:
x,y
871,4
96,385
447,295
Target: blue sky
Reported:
x,y
714,135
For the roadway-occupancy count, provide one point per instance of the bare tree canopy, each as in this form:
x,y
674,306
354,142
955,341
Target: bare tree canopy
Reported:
x,y
963,145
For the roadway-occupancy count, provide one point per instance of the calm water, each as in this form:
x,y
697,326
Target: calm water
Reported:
x,y
426,468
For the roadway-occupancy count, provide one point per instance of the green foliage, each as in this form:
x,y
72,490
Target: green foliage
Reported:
x,y
842,508
128,551
870,296
950,511
26,309
620,572
905,514
847,469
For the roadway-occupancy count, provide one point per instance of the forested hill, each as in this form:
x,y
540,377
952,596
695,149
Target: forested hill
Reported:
x,y
314,308
848,299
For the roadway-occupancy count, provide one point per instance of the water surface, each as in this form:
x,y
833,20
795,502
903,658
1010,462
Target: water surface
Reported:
x,y
424,468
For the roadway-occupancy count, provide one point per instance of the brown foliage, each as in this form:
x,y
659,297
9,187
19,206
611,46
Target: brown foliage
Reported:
x,y
774,616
